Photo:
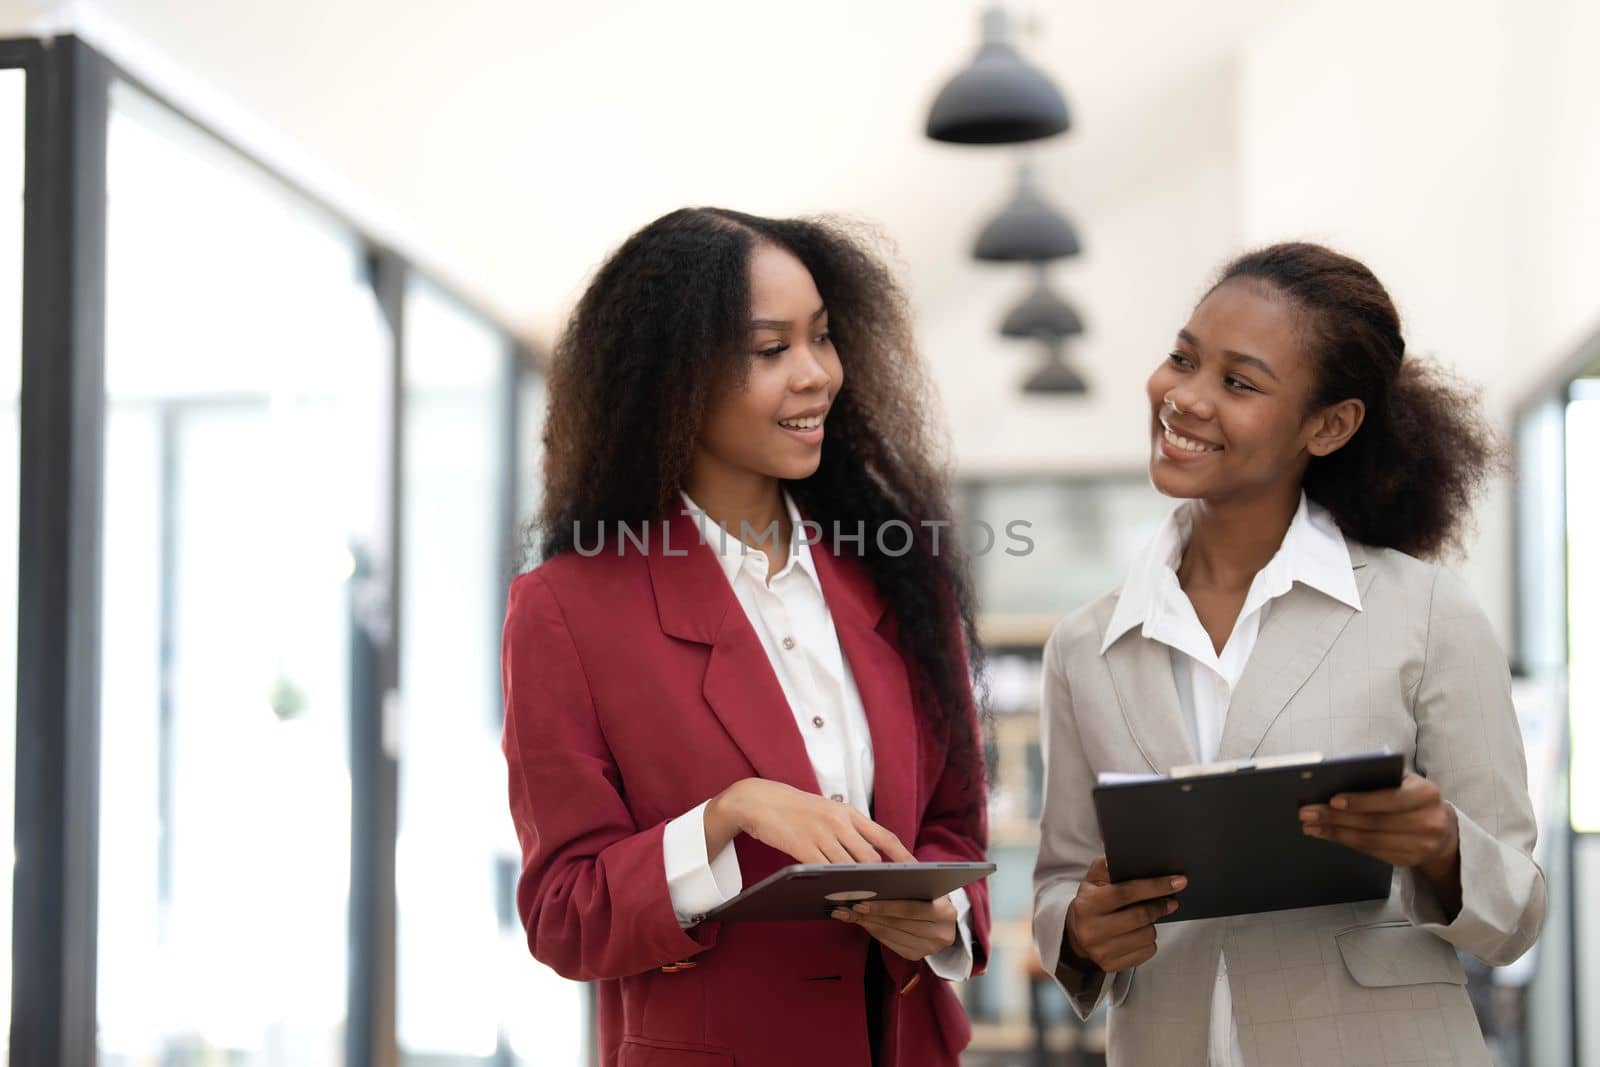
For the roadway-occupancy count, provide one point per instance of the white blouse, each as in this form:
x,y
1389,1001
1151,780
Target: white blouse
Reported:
x,y
1313,552
790,615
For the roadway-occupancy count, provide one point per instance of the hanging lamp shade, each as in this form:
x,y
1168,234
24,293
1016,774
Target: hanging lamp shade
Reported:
x,y
1029,229
999,98
1042,313
1055,378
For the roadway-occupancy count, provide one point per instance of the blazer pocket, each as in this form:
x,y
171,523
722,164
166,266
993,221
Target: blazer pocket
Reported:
x,y
1397,953
647,1052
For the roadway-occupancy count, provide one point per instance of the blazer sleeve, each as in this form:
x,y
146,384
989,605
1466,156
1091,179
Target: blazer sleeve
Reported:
x,y
1069,834
592,894
1469,744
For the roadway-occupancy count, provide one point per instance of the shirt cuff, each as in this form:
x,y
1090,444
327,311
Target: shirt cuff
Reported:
x,y
695,884
954,963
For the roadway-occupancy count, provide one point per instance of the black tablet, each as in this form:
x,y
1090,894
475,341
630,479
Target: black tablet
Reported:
x,y
813,890
1237,837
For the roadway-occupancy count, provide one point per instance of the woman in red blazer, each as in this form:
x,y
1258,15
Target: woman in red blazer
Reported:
x,y
747,646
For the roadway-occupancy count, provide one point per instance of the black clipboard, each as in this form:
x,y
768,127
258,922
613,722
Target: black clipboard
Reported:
x,y
1236,836
814,890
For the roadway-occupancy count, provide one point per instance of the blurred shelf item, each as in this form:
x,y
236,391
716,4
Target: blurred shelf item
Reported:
x,y
1059,1038
1023,630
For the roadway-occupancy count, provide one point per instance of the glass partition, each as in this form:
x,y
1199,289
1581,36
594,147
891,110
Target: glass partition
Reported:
x,y
449,814
245,361
468,992
1583,602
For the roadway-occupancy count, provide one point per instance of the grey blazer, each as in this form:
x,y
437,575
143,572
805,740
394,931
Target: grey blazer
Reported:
x,y
1417,669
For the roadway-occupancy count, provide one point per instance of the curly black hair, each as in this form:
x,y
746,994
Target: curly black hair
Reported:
x,y
665,322
1409,477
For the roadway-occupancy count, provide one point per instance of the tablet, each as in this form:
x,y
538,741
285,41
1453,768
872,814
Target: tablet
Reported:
x,y
1236,836
813,890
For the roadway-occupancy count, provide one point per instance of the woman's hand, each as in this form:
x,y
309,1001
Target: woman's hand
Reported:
x,y
1410,826
911,929
1111,925
810,828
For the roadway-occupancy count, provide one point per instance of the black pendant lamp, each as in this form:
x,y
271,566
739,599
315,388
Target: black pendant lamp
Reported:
x,y
1055,378
1000,98
1042,313
1029,229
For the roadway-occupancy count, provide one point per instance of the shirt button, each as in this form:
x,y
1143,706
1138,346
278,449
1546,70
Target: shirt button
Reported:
x,y
816,720
788,642
837,797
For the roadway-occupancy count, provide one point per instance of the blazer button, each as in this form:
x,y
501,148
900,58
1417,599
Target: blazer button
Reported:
x,y
788,642
816,720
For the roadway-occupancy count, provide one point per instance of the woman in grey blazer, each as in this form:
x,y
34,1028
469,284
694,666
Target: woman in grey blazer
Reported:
x,y
1284,608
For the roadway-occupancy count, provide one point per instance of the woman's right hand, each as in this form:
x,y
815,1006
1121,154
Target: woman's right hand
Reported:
x,y
1111,925
810,828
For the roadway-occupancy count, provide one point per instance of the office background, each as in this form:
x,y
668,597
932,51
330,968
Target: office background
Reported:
x,y
272,316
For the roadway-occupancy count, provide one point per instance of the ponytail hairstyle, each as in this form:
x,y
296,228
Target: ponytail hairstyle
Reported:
x,y
1408,477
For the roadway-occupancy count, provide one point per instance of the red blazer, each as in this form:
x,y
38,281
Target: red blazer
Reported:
x,y
635,689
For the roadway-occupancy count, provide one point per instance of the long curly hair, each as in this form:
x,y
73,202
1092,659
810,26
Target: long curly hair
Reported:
x,y
665,324
1409,477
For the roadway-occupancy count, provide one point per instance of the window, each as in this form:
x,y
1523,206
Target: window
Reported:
x,y
1583,601
468,993
244,365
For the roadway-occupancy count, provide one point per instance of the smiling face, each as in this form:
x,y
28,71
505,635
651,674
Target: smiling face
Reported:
x,y
1230,412
771,426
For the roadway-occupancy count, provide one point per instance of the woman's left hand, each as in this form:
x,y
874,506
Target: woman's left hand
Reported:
x,y
913,929
1410,826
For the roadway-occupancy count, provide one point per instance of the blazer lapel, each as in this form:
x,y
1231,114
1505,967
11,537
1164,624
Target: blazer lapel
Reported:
x,y
695,603
885,689
1300,628
1141,671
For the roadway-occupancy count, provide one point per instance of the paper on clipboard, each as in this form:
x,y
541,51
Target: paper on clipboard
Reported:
x,y
1195,770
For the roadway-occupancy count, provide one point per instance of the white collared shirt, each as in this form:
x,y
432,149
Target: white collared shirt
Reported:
x,y
790,616
1314,554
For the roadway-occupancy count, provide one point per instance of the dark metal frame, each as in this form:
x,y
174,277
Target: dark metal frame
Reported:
x,y
58,608
374,763
62,404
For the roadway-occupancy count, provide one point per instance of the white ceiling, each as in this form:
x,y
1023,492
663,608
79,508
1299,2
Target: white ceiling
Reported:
x,y
521,140
510,144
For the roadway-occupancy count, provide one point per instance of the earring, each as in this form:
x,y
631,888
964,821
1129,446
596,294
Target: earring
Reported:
x,y
1173,404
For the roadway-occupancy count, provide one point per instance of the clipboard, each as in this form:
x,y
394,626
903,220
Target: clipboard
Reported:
x,y
1236,834
813,890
